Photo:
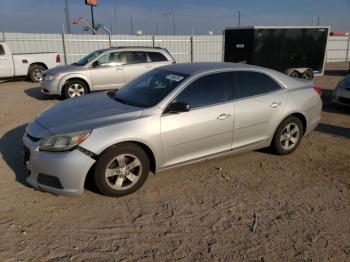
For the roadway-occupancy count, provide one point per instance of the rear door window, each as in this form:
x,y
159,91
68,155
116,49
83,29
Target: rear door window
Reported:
x,y
135,57
208,90
254,83
156,57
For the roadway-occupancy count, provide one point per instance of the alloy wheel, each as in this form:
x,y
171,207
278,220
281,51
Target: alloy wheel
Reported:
x,y
290,136
75,90
123,171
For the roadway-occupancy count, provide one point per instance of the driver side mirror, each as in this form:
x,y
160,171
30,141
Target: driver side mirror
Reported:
x,y
179,107
95,64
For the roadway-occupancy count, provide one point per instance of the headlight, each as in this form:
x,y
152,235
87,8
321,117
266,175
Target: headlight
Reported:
x,y
51,77
63,142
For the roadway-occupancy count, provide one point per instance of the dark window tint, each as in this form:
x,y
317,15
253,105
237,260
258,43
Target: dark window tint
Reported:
x,y
207,90
2,51
253,83
156,57
135,57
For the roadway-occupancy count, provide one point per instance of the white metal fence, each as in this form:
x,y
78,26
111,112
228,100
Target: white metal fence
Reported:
x,y
198,48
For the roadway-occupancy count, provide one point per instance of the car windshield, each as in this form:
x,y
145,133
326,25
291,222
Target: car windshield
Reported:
x,y
88,58
149,89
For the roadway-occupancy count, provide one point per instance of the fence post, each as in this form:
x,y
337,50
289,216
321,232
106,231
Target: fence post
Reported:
x,y
347,49
64,49
191,49
153,41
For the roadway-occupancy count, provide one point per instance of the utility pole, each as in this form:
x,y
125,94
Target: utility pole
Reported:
x,y
173,23
166,22
66,12
131,25
115,17
92,18
318,20
239,18
157,28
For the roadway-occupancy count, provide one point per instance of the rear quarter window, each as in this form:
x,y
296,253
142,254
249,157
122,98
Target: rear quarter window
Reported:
x,y
254,83
156,57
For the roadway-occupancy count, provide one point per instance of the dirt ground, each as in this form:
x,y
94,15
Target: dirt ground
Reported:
x,y
201,212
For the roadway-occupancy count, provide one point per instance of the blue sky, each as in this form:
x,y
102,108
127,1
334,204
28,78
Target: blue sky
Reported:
x,y
47,16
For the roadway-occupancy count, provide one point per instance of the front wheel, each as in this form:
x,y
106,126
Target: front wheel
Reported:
x,y
74,88
288,136
121,170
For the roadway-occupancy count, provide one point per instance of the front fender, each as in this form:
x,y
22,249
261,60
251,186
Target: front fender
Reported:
x,y
73,75
141,130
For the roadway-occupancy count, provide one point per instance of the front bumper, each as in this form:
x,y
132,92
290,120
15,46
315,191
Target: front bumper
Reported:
x,y
50,87
56,172
341,96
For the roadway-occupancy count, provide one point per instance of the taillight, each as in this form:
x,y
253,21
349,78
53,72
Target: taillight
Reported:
x,y
174,62
58,59
318,90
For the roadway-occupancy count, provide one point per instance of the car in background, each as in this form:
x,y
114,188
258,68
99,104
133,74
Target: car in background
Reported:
x,y
170,116
341,94
103,69
25,64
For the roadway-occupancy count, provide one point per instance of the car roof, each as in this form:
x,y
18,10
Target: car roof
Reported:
x,y
194,68
128,48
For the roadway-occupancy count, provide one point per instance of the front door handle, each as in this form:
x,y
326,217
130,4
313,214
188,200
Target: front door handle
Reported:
x,y
275,104
223,116
148,66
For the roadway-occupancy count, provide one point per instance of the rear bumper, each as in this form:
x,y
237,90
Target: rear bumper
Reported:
x,y
313,117
59,173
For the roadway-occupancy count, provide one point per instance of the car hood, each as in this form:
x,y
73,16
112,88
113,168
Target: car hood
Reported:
x,y
86,113
64,69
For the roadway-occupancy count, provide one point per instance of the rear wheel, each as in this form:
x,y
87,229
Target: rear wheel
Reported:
x,y
74,88
294,73
35,73
121,170
307,74
288,136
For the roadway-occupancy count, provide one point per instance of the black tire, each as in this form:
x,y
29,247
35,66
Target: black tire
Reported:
x,y
67,88
35,73
308,74
294,74
281,130
105,184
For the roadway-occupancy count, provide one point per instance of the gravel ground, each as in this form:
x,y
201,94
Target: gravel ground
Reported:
x,y
198,212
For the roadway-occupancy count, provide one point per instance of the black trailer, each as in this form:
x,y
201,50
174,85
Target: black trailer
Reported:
x,y
296,51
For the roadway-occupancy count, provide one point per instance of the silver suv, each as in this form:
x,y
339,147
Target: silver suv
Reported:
x,y
103,69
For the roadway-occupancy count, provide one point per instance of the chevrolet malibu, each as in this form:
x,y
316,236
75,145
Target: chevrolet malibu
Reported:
x,y
168,117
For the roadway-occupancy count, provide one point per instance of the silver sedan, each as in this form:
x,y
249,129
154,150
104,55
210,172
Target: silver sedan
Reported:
x,y
168,117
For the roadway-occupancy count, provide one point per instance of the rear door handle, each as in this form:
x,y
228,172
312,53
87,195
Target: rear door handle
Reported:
x,y
148,66
275,104
223,116
119,68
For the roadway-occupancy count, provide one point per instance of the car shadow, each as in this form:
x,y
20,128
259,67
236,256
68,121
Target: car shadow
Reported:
x,y
36,93
329,106
333,130
15,79
11,148
336,72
